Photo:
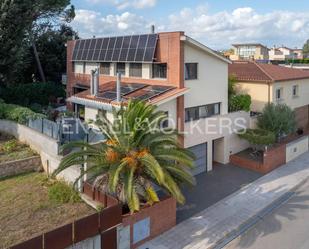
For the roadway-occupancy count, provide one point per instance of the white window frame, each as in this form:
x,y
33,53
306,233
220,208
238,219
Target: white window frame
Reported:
x,y
280,93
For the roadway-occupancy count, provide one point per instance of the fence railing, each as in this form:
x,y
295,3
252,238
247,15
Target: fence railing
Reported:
x,y
103,224
65,130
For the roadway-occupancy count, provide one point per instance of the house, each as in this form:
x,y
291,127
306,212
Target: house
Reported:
x,y
267,83
249,51
183,77
284,53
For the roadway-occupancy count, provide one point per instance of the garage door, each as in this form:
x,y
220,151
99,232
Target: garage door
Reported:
x,y
200,152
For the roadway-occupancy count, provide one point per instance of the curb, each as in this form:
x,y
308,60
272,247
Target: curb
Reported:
x,y
256,218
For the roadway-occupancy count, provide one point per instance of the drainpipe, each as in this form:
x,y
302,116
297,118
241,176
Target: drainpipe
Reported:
x,y
118,85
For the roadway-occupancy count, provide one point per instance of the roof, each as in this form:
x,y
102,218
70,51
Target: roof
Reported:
x,y
155,94
258,72
206,49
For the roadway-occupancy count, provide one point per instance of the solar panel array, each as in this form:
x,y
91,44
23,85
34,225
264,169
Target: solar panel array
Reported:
x,y
126,88
135,48
153,91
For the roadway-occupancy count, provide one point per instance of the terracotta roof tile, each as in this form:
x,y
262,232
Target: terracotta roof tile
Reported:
x,y
258,72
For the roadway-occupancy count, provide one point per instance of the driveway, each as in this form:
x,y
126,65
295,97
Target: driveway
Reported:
x,y
212,187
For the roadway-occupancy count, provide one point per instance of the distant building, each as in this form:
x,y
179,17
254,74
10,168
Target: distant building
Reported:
x,y
284,53
250,51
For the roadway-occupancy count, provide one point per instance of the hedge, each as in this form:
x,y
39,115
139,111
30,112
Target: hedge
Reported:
x,y
258,136
239,102
31,94
17,113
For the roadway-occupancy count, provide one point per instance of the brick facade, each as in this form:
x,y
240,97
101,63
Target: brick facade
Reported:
x,y
170,50
302,117
162,218
272,159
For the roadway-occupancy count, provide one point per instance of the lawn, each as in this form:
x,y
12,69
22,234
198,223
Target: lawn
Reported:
x,y
28,208
11,149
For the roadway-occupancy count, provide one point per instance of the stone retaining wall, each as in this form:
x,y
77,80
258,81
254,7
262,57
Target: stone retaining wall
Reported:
x,y
20,166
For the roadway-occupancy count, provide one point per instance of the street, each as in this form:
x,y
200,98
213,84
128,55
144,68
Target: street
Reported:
x,y
285,228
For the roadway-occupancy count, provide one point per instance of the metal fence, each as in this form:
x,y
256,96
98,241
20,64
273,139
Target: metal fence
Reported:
x,y
65,130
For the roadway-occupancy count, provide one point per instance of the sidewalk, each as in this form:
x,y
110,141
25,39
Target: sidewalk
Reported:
x,y
223,221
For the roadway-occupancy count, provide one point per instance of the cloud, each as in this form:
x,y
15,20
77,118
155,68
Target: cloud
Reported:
x,y
223,28
217,30
89,23
123,4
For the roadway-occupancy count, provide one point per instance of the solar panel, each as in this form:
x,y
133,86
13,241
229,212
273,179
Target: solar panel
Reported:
x,y
136,48
108,95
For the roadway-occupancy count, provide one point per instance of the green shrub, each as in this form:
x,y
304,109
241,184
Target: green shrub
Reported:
x,y
258,136
17,113
60,192
9,146
277,118
27,94
240,102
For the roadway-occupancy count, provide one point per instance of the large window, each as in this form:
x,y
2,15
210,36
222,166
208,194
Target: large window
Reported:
x,y
191,71
159,70
135,70
121,68
246,51
105,68
205,111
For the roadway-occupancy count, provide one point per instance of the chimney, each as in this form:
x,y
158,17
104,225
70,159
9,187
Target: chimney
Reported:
x,y
94,82
152,29
92,76
118,85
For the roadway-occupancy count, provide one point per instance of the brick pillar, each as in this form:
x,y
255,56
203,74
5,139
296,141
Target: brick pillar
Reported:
x,y
70,73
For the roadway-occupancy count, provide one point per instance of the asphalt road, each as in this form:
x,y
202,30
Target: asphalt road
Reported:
x,y
287,227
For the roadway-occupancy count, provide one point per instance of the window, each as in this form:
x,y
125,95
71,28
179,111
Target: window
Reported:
x,y
135,70
295,91
105,68
279,94
205,111
191,71
121,68
159,70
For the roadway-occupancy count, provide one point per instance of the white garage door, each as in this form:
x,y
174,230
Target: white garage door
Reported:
x,y
200,152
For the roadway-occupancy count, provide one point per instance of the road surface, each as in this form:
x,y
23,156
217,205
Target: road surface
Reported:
x,y
287,227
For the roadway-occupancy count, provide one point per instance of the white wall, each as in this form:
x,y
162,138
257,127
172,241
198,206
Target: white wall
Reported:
x,y
45,146
287,86
79,67
171,107
212,83
90,113
90,66
218,127
296,148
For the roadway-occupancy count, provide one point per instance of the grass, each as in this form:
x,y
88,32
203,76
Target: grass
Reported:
x,y
11,149
30,205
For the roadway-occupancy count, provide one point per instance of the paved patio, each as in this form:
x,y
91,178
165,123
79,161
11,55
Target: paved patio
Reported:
x,y
213,187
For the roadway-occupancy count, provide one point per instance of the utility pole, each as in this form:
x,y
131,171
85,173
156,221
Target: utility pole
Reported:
x,y
38,62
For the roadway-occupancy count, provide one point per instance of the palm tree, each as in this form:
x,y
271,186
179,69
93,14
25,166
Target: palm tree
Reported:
x,y
136,156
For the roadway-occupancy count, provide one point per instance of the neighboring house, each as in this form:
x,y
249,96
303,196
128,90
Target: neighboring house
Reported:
x,y
184,78
268,83
284,53
249,51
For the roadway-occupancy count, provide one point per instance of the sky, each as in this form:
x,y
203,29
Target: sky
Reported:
x,y
216,23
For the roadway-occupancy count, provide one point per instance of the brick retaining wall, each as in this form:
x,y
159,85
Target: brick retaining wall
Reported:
x,y
20,166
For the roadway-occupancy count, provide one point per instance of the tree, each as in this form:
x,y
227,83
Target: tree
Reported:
x,y
237,102
240,102
277,118
306,47
20,22
136,155
51,48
